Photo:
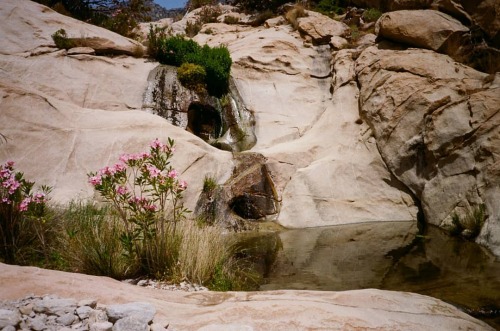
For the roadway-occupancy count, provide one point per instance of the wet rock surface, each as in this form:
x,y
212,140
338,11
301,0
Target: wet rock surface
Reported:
x,y
51,313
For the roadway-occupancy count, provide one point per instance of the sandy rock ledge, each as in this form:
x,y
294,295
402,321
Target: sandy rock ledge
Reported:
x,y
273,310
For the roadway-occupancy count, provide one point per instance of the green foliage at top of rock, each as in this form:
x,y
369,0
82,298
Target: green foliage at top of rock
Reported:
x,y
215,61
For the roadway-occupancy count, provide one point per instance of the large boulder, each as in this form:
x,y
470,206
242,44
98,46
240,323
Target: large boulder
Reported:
x,y
437,127
272,310
429,29
321,28
27,28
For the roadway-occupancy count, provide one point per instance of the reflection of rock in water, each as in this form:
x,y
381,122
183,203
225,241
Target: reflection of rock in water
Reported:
x,y
390,256
225,123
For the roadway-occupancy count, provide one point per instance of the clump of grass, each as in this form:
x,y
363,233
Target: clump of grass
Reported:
x,y
209,184
294,14
371,14
355,33
91,242
62,40
470,225
201,251
193,28
230,19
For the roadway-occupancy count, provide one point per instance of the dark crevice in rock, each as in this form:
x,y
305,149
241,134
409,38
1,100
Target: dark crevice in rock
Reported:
x,y
223,122
248,195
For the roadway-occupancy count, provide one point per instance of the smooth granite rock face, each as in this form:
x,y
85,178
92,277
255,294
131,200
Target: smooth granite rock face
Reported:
x,y
436,123
272,310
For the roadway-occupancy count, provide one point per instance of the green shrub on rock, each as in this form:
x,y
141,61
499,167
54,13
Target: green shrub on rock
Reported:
x,y
215,61
192,76
62,40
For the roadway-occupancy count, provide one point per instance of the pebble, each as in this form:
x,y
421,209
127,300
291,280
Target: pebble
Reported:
x,y
50,313
159,285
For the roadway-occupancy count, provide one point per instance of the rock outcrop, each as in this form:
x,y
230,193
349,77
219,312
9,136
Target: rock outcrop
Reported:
x,y
429,29
321,28
273,310
66,115
437,128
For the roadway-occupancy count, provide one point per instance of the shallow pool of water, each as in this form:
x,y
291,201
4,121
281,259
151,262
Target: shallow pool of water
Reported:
x,y
389,256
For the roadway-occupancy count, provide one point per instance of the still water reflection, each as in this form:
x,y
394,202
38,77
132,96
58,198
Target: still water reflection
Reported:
x,y
390,256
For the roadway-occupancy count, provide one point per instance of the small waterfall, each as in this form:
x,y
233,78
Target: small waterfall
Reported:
x,y
222,122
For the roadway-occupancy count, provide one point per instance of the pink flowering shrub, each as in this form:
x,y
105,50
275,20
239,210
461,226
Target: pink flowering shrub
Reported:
x,y
146,193
17,204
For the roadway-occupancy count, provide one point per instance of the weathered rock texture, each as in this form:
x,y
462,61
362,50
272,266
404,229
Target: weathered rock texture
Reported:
x,y
321,28
428,29
274,310
64,116
317,155
437,127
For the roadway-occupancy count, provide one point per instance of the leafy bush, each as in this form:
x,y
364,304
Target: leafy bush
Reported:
x,y
192,28
155,36
193,4
259,5
18,206
293,14
62,40
329,7
173,50
230,19
470,225
146,193
371,14
209,14
216,61
192,76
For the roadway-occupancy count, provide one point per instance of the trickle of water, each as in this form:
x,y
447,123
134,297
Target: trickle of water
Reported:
x,y
234,125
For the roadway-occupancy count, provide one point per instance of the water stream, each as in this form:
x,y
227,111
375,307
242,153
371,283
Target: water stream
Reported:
x,y
390,256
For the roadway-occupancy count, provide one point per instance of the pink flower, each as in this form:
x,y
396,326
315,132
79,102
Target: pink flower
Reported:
x,y
156,144
95,180
182,185
12,184
6,200
10,164
153,171
39,197
124,158
23,206
119,167
173,174
121,190
168,149
150,207
109,171
5,173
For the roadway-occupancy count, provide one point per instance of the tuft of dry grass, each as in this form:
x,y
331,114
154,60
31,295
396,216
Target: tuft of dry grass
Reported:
x,y
294,14
201,252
